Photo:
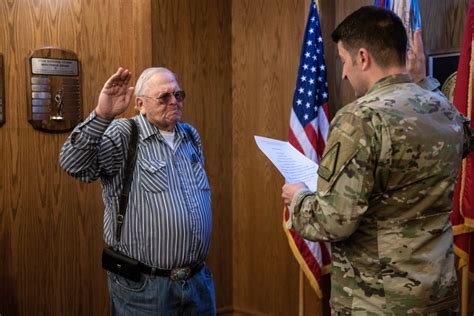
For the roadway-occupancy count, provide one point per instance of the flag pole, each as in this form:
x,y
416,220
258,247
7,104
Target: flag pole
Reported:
x,y
301,293
464,290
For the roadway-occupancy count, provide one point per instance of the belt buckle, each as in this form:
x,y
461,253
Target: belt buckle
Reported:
x,y
179,274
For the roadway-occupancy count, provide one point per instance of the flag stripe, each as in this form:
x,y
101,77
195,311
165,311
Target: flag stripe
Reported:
x,y
313,139
311,257
300,135
323,121
294,141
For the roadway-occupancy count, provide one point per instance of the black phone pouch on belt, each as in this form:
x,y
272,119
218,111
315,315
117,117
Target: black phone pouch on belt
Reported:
x,y
121,264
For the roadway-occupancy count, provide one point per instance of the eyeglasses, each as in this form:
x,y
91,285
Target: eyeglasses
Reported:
x,y
165,98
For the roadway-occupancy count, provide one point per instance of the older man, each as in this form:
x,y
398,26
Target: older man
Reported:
x,y
167,224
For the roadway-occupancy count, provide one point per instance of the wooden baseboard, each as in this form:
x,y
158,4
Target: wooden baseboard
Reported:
x,y
237,311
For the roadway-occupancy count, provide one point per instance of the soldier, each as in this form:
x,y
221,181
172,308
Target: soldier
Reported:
x,y
385,181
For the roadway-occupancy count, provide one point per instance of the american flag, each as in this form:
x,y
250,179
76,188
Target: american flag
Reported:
x,y
308,132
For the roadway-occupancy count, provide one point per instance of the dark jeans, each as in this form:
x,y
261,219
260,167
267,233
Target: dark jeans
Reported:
x,y
154,295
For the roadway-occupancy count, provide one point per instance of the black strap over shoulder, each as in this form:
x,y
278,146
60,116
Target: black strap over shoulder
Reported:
x,y
127,177
194,142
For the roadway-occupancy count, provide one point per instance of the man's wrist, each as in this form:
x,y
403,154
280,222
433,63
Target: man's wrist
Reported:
x,y
296,201
103,116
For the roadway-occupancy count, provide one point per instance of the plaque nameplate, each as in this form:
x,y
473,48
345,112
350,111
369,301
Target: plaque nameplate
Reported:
x,y
41,95
40,87
2,92
36,102
40,109
54,90
51,66
40,80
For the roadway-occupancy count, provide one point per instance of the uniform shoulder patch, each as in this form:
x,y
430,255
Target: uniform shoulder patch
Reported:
x,y
327,166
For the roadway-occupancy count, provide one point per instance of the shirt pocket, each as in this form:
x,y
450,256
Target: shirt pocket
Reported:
x,y
153,175
200,174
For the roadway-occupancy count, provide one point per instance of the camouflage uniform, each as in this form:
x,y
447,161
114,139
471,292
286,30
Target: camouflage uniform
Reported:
x,y
384,198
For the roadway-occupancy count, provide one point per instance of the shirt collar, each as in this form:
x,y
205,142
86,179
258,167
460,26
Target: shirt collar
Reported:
x,y
147,129
389,80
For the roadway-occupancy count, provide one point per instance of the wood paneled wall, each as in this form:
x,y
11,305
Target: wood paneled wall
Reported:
x,y
51,225
443,24
237,61
266,46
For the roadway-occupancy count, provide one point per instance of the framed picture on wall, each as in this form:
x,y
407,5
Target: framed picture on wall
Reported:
x,y
443,67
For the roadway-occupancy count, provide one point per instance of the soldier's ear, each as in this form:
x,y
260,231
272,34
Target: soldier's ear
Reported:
x,y
365,59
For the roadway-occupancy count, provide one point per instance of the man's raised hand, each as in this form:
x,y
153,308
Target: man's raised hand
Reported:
x,y
416,61
115,95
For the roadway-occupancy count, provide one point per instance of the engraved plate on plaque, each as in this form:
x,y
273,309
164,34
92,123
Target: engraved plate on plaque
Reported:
x,y
41,95
39,87
54,90
2,92
52,66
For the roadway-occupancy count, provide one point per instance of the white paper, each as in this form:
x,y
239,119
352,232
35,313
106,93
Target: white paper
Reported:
x,y
293,165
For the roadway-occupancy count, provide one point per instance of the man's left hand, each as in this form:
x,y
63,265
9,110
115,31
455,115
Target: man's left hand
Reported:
x,y
288,191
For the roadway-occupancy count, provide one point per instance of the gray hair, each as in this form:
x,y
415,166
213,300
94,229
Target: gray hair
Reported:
x,y
146,75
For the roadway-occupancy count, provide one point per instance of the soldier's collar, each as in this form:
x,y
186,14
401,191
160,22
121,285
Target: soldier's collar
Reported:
x,y
389,80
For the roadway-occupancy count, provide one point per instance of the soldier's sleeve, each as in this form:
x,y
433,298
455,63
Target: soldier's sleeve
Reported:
x,y
345,182
429,83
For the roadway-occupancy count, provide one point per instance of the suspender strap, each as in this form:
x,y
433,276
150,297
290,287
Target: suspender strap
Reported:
x,y
127,177
194,142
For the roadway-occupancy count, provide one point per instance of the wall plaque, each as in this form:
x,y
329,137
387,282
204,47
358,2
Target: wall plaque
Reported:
x,y
2,92
54,90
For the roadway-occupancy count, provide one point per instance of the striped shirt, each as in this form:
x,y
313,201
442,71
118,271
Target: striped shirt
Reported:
x,y
168,218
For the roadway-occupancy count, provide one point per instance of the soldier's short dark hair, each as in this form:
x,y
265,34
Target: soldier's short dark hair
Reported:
x,y
376,29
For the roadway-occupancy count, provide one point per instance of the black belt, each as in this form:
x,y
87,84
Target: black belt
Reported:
x,y
176,274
